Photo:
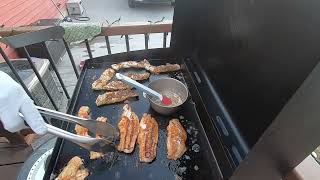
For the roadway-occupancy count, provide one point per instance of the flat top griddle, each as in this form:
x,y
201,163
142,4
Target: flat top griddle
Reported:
x,y
197,163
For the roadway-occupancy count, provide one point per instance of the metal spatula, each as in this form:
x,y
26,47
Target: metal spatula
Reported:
x,y
108,133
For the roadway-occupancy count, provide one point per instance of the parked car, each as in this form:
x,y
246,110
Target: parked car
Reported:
x,y
133,3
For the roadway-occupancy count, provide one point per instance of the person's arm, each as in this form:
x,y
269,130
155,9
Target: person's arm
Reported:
x,y
13,99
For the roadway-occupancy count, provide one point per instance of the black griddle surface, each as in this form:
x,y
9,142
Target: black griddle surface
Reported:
x,y
192,165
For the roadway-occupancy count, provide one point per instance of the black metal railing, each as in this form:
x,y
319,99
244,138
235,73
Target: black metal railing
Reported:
x,y
26,39
55,33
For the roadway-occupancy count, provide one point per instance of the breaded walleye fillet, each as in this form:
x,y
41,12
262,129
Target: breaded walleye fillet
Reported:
x,y
114,86
115,96
163,68
176,140
148,138
129,129
93,154
84,113
138,76
105,77
130,64
74,170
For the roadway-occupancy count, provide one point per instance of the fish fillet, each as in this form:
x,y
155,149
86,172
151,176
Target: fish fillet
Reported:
x,y
74,170
81,174
163,68
138,76
115,96
101,119
130,64
129,129
83,113
93,154
113,86
105,77
148,138
176,140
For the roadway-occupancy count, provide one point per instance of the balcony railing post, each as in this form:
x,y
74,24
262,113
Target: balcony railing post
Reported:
x,y
146,41
71,58
55,70
127,42
165,34
88,48
108,44
13,69
39,77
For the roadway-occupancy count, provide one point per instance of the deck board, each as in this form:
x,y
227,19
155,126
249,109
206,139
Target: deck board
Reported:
x,y
10,172
12,159
14,154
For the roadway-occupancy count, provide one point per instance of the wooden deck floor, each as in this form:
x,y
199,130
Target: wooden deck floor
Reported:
x,y
12,158
10,171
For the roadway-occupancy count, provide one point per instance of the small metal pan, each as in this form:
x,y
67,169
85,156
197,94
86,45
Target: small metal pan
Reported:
x,y
168,86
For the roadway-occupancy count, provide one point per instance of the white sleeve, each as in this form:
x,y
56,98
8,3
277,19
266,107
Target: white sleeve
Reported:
x,y
13,99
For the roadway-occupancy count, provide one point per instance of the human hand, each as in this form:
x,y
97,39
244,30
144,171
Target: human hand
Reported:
x,y
13,99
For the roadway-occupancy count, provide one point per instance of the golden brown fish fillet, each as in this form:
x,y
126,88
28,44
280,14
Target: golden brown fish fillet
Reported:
x,y
130,64
105,77
148,138
115,96
163,68
176,140
96,155
114,86
83,113
129,129
101,119
138,76
73,170
81,174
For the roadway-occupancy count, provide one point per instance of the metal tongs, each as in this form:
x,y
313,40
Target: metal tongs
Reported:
x,y
106,131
